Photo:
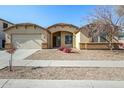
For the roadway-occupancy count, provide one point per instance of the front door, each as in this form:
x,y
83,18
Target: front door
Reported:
x,y
57,40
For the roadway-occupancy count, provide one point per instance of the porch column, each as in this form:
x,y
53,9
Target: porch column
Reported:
x,y
51,40
62,39
98,38
74,40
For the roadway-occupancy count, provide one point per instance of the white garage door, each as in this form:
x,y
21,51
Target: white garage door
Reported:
x,y
27,41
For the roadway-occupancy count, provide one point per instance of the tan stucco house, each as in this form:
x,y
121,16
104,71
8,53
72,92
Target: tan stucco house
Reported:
x,y
32,36
28,35
3,25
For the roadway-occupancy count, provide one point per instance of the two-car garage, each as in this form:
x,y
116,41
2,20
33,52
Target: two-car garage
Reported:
x,y
26,36
27,41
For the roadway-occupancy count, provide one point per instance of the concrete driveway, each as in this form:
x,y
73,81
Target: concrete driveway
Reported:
x,y
20,54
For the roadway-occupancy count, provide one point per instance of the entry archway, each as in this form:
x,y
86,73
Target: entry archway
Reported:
x,y
67,40
62,39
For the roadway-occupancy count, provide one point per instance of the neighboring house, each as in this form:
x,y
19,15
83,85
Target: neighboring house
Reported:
x,y
30,36
3,25
121,37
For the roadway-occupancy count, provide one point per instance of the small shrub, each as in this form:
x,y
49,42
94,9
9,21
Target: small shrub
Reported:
x,y
11,50
67,50
61,48
121,45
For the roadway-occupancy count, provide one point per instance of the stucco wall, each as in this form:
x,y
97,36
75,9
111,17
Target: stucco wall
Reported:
x,y
96,45
49,40
63,34
1,25
83,38
78,40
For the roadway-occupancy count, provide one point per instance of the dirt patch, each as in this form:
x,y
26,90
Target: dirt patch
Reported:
x,y
62,73
54,54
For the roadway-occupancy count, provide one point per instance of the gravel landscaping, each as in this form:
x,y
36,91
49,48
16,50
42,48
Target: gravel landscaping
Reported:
x,y
61,73
54,54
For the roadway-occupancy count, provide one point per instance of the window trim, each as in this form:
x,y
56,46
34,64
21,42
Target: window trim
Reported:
x,y
68,41
5,25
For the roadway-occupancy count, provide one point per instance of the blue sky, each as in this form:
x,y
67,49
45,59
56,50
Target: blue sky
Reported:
x,y
46,15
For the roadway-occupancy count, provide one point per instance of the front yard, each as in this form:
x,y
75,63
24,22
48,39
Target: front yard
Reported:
x,y
63,73
68,73
54,54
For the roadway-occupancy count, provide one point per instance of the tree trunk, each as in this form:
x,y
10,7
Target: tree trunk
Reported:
x,y
111,38
111,47
10,63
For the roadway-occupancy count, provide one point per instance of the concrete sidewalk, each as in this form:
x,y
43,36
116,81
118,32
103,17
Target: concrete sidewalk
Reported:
x,y
25,83
63,63
68,63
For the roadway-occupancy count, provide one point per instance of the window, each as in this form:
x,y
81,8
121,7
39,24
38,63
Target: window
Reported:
x,y
102,38
5,25
68,39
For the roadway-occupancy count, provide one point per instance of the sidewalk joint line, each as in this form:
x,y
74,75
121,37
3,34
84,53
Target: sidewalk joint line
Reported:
x,y
91,82
5,83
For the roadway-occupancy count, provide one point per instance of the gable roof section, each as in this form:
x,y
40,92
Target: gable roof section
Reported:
x,y
63,24
87,28
25,24
6,21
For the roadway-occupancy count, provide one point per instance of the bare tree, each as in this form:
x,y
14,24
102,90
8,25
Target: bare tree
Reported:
x,y
107,19
11,52
120,10
120,13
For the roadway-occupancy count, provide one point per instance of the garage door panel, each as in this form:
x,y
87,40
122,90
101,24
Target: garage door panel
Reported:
x,y
27,41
